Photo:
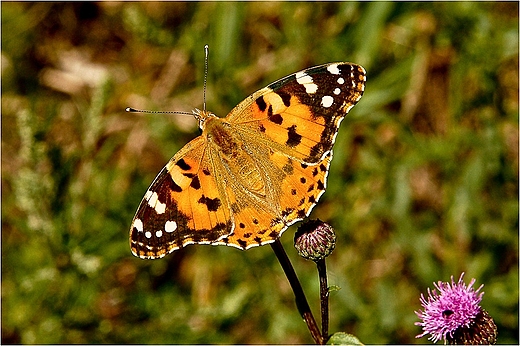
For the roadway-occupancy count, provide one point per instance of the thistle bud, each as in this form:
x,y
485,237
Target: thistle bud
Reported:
x,y
315,240
482,331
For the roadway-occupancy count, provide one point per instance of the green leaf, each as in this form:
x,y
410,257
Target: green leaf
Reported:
x,y
341,338
334,288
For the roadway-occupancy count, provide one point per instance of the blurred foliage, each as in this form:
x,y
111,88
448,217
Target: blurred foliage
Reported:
x,y
424,183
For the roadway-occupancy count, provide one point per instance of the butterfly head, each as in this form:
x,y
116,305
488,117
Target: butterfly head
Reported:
x,y
202,116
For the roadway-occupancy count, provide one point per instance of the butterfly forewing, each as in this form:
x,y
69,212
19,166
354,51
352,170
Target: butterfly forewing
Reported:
x,y
252,174
301,113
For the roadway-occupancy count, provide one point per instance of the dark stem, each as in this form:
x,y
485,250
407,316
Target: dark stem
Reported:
x,y
301,300
324,297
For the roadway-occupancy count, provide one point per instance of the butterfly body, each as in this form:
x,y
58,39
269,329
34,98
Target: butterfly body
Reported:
x,y
253,173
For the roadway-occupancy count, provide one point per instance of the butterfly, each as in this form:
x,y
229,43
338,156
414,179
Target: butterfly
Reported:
x,y
252,174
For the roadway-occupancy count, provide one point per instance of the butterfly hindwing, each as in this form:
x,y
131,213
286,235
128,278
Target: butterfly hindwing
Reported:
x,y
182,206
257,223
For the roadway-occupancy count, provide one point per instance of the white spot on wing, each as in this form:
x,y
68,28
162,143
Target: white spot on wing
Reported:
x,y
303,77
311,88
158,234
333,69
138,225
341,80
170,226
148,234
306,80
337,91
327,101
152,198
160,208
154,202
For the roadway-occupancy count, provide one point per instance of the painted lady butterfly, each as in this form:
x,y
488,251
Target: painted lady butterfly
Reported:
x,y
254,173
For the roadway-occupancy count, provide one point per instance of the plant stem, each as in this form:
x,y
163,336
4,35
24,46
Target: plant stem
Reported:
x,y
301,300
324,297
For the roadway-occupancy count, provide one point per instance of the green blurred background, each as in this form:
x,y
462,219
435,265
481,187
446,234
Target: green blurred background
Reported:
x,y
424,183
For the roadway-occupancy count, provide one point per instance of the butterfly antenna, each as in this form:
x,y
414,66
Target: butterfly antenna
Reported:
x,y
134,110
197,112
206,53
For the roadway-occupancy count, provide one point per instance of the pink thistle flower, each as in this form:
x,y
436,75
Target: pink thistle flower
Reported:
x,y
453,308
